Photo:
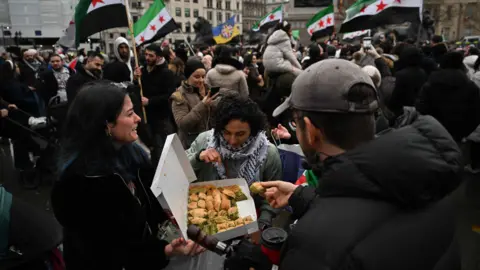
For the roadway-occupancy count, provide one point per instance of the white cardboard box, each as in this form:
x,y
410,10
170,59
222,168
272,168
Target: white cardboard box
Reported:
x,y
170,185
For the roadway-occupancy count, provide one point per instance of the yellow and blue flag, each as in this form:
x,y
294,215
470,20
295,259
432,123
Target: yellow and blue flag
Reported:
x,y
226,31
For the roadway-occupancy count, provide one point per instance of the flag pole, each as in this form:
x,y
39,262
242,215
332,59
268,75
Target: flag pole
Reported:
x,y
186,41
130,27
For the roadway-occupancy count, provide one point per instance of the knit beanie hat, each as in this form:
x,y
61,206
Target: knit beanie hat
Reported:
x,y
191,66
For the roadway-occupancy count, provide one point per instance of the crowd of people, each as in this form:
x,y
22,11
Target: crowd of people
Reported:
x,y
386,130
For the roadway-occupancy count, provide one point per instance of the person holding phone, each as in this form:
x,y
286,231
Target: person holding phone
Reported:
x,y
192,103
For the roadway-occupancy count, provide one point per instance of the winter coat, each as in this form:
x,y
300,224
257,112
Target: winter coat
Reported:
x,y
106,226
453,99
47,85
408,83
270,170
158,86
374,210
75,82
278,56
27,75
228,78
476,78
15,92
119,70
190,113
469,63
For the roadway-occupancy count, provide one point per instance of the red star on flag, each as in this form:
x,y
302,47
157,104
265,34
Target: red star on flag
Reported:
x,y
161,19
142,39
272,16
153,27
381,6
329,20
363,9
321,24
95,2
311,31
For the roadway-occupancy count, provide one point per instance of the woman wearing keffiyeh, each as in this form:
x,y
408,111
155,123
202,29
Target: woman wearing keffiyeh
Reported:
x,y
237,147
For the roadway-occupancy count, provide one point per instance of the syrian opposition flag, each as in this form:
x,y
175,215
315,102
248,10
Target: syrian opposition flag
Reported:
x,y
356,34
269,20
68,40
369,14
322,23
154,24
93,16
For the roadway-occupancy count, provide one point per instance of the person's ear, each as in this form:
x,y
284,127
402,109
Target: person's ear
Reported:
x,y
108,129
315,137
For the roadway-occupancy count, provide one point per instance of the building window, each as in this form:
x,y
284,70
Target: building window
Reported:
x,y
135,18
238,5
179,24
227,5
219,4
449,12
188,27
228,15
187,1
446,33
195,1
178,12
471,8
209,3
175,1
209,15
111,35
195,13
123,35
187,12
219,17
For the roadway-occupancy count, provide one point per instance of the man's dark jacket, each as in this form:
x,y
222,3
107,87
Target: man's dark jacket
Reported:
x,y
158,86
47,85
383,205
453,99
76,82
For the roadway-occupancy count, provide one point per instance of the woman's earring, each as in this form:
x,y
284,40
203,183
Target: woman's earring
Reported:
x,y
107,131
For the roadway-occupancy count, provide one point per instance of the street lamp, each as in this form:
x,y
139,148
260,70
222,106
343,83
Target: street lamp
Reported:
x,y
5,30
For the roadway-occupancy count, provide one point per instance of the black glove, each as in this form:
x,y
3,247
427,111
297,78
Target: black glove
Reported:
x,y
247,255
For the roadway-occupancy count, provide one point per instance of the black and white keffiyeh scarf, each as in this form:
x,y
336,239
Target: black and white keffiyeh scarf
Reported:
x,y
253,153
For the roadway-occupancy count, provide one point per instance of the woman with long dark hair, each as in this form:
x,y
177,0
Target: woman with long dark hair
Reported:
x,y
254,79
103,198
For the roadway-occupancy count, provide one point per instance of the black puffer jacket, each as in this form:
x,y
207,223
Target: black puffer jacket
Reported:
x,y
453,99
383,205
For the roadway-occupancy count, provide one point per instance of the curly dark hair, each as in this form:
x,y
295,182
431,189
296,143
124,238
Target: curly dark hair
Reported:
x,y
234,107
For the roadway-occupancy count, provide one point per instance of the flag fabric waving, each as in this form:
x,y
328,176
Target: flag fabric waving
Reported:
x,y
226,31
68,40
368,14
354,35
154,24
322,23
269,20
93,16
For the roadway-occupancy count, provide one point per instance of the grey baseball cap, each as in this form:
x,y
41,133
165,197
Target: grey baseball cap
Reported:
x,y
324,87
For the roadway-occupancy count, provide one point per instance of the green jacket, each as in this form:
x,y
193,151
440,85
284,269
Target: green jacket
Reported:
x,y
270,170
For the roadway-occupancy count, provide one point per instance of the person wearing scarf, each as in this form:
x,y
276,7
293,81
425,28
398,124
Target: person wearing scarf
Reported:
x,y
192,103
237,147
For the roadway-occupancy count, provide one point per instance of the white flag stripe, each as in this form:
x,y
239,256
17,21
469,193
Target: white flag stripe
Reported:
x,y
99,4
376,7
316,25
149,33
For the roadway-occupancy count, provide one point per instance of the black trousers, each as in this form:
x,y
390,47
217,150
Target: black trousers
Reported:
x,y
160,128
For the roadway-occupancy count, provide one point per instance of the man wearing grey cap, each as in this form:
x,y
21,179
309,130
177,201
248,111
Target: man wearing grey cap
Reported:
x,y
381,203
